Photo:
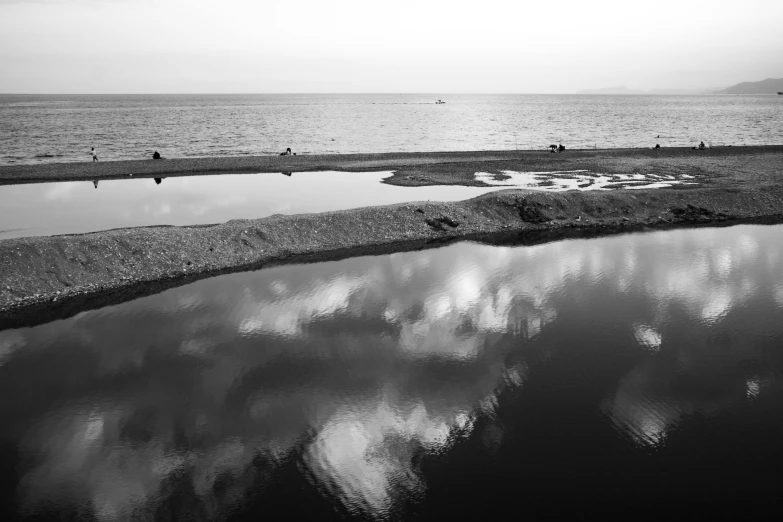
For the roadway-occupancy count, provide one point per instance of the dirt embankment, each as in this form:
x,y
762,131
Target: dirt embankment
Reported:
x,y
40,271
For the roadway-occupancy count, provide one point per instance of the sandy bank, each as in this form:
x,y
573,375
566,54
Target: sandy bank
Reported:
x,y
58,271
430,167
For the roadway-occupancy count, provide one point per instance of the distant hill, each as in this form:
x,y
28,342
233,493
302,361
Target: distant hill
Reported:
x,y
768,86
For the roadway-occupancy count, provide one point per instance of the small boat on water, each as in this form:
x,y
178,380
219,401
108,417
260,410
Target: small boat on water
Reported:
x,y
441,101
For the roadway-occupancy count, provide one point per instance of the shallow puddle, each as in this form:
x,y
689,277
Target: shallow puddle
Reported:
x,y
77,207
557,181
637,373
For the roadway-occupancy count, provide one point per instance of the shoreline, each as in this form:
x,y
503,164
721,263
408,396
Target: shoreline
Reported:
x,y
413,168
41,275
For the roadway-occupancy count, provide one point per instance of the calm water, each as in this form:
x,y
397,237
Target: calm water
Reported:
x,y
631,376
78,207
36,129
41,209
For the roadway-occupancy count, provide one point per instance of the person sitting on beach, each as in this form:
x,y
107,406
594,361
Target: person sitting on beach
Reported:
x,y
702,146
553,148
156,155
657,145
94,154
560,148
287,152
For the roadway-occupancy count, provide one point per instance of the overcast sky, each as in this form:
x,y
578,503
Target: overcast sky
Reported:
x,y
449,46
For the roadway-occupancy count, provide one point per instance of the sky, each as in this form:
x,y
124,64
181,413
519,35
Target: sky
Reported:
x,y
432,46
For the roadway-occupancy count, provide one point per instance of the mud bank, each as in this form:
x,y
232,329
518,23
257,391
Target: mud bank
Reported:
x,y
58,270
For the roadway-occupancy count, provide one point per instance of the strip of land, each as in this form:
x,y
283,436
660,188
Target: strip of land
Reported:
x,y
434,168
41,275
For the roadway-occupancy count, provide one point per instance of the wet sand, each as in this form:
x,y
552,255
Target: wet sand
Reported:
x,y
433,168
60,275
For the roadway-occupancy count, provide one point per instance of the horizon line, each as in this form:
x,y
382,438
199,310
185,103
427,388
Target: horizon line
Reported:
x,y
648,93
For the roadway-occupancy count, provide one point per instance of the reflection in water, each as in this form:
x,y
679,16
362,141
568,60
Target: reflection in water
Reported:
x,y
44,209
558,181
424,383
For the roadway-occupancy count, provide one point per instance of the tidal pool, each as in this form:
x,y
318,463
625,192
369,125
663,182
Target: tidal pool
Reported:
x,y
44,209
626,377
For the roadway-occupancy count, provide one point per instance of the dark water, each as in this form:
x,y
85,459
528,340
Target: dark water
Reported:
x,y
632,377
77,207
51,128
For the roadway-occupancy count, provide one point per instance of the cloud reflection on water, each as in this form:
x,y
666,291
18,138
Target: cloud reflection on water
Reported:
x,y
42,209
355,369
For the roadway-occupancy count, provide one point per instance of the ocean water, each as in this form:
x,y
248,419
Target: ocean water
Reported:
x,y
626,377
52,128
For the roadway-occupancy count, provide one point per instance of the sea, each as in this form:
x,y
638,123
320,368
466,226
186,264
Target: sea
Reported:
x,y
63,128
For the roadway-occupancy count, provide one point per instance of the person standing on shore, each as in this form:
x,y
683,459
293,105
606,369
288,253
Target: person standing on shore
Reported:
x,y
94,154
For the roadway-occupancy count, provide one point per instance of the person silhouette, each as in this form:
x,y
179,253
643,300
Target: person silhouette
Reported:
x,y
156,155
287,152
94,154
